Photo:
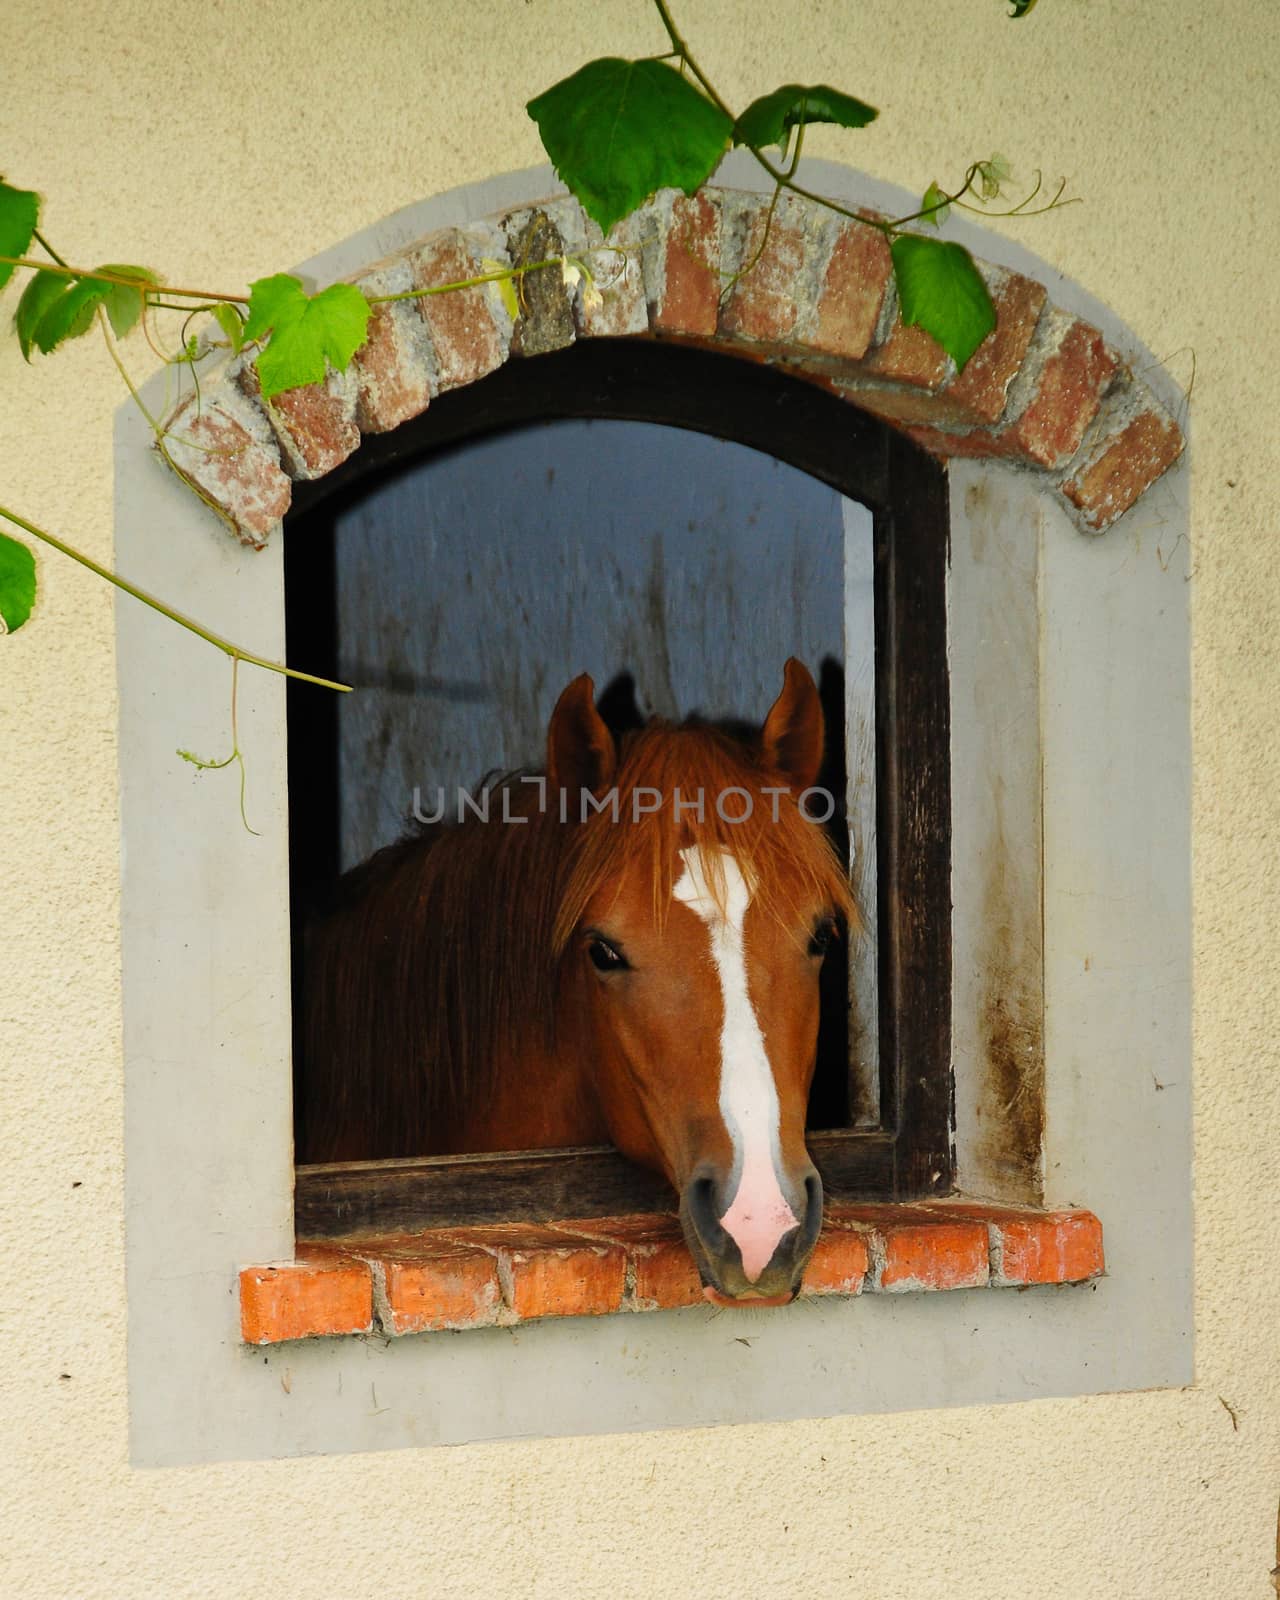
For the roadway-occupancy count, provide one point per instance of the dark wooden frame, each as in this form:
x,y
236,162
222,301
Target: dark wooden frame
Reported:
x,y
910,1154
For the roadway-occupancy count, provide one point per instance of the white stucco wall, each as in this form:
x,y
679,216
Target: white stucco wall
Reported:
x,y
228,141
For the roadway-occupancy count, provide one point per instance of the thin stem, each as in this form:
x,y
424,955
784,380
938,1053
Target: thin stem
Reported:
x,y
757,252
776,173
682,50
237,755
156,427
943,200
501,275
45,245
795,154
1020,210
780,177
183,621
64,271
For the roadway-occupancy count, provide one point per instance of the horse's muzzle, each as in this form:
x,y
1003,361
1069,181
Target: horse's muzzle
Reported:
x,y
718,1256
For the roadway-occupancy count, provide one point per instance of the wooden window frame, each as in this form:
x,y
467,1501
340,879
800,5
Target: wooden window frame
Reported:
x,y
911,1153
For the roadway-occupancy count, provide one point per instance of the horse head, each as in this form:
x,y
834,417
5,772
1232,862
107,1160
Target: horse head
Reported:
x,y
699,906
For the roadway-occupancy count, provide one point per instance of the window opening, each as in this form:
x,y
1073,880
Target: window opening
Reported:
x,y
492,557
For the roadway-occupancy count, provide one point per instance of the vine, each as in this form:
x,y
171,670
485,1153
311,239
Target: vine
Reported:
x,y
616,131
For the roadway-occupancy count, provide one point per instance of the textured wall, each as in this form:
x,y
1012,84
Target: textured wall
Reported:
x,y
220,141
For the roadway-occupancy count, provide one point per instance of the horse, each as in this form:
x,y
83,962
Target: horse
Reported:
x,y
626,950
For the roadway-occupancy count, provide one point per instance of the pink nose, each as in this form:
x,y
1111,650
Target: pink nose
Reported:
x,y
757,1221
756,1246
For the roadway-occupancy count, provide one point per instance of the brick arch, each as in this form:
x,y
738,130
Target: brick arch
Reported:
x,y
1044,392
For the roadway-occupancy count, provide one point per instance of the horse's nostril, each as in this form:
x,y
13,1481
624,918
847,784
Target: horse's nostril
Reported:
x,y
811,1221
702,1205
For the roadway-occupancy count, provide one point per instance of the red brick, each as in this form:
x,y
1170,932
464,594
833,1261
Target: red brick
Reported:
x,y
393,377
465,334
1062,392
852,293
314,423
765,300
662,1273
687,299
433,1282
909,355
1124,460
984,444
324,1291
623,309
839,1263
1030,1245
920,1248
936,1255
1058,1247
903,407
317,426
228,467
1063,1247
1067,394
978,393
546,1272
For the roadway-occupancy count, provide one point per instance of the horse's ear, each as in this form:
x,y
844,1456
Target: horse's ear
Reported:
x,y
580,752
793,731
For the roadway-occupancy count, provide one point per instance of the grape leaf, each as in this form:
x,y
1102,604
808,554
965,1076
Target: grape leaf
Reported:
x,y
306,330
768,119
506,286
618,130
941,291
935,206
228,319
123,304
39,294
69,314
17,584
19,214
55,308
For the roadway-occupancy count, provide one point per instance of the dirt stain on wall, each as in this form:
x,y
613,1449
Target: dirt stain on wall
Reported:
x,y
1011,1104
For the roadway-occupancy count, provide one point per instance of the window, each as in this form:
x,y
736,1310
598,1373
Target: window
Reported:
x,y
1069,687
879,1117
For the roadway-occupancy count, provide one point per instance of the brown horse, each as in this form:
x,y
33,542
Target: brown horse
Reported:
x,y
626,952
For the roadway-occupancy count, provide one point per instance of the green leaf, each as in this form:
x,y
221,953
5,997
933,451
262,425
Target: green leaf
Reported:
x,y
122,304
935,206
228,319
43,289
17,584
1022,8
941,291
619,130
19,214
505,286
55,308
69,314
769,119
274,303
306,330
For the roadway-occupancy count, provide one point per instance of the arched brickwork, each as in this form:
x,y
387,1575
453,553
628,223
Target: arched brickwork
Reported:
x,y
1044,392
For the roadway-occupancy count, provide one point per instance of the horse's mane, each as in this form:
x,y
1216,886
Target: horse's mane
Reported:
x,y
440,962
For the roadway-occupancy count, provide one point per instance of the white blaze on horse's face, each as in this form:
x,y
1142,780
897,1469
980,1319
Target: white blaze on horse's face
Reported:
x,y
758,1215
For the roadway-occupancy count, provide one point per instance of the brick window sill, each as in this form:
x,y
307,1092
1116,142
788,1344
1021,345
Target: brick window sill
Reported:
x,y
456,1278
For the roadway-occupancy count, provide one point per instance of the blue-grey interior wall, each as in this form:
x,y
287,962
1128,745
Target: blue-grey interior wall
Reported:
x,y
474,586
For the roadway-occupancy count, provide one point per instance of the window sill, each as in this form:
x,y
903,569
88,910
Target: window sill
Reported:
x,y
456,1278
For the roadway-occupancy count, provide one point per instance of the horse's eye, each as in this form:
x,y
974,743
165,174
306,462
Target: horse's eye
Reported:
x,y
823,937
606,957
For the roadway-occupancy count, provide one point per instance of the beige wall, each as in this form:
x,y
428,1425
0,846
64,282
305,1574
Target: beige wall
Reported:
x,y
229,141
